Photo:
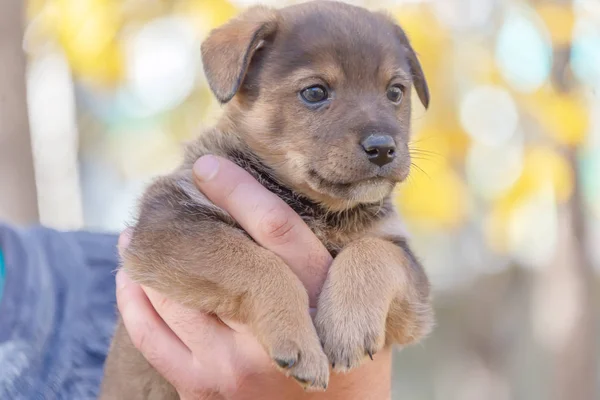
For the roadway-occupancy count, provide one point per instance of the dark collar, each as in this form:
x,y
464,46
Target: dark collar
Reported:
x,y
358,217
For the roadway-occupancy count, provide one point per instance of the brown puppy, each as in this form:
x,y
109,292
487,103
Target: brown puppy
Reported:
x,y
317,108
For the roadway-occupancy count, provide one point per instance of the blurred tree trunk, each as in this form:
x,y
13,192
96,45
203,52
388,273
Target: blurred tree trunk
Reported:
x,y
18,199
575,359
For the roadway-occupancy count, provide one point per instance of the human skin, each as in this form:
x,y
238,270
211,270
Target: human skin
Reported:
x,y
205,358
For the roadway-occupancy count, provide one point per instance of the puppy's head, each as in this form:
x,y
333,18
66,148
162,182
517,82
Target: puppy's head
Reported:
x,y
321,93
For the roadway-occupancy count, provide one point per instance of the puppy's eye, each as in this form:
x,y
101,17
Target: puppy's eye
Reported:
x,y
314,94
395,94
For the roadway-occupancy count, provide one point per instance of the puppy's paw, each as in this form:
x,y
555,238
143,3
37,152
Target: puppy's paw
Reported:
x,y
349,338
304,361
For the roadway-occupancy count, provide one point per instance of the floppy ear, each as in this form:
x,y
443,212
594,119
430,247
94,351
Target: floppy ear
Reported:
x,y
418,77
415,67
228,50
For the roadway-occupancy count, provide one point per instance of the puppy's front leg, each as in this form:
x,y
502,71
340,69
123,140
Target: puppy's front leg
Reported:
x,y
191,251
236,279
376,293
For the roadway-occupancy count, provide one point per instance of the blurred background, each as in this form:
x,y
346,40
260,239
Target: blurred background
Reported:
x,y
96,97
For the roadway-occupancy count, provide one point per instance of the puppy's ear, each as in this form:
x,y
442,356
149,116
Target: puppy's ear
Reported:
x,y
418,77
415,66
228,50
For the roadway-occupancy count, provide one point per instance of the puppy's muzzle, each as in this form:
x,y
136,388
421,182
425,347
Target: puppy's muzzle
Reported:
x,y
380,149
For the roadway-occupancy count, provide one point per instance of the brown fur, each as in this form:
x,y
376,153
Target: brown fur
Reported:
x,y
195,253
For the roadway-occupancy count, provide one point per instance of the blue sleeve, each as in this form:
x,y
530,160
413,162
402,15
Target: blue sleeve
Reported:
x,y
2,273
57,312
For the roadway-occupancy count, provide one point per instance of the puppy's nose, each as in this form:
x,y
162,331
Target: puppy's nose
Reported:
x,y
380,149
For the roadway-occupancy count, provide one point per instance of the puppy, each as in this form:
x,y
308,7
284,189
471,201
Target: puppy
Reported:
x,y
317,105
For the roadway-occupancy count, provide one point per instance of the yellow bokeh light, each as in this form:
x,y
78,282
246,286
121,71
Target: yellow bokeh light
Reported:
x,y
209,13
435,201
564,116
542,166
87,31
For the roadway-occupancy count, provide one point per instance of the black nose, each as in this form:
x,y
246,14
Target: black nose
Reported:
x,y
380,149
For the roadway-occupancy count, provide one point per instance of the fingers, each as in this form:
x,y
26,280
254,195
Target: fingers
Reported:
x,y
198,331
266,217
222,355
149,333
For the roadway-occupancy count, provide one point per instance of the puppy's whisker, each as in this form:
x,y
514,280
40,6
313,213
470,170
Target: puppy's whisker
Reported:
x,y
438,161
417,150
420,169
422,139
428,156
424,151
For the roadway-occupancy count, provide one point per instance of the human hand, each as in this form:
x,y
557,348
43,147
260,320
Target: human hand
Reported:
x,y
204,358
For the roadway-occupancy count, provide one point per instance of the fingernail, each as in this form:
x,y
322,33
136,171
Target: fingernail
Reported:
x,y
206,168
